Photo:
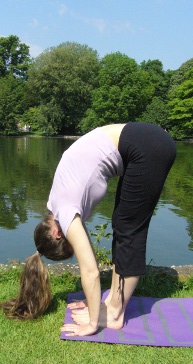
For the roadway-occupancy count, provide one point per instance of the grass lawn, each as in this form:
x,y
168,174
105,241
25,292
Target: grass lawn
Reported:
x,y
38,341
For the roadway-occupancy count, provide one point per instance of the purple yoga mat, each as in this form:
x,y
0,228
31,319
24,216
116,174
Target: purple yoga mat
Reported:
x,y
148,321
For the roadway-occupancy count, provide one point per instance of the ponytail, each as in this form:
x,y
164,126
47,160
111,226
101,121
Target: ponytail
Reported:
x,y
34,293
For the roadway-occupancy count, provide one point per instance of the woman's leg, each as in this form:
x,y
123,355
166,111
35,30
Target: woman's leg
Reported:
x,y
111,312
148,157
107,300
148,154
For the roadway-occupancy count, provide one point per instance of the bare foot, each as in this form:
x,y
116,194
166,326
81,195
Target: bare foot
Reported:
x,y
81,317
107,317
77,304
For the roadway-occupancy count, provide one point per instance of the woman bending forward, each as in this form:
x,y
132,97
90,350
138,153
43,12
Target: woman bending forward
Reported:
x,y
142,155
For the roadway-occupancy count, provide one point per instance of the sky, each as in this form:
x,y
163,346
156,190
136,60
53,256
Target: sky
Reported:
x,y
141,29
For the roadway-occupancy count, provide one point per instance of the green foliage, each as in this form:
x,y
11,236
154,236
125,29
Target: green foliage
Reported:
x,y
62,78
12,103
44,119
181,106
123,93
102,254
159,79
67,89
179,76
176,132
14,62
14,57
156,113
180,101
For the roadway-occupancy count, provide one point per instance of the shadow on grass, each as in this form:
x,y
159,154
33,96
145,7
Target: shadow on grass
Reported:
x,y
158,282
72,282
56,298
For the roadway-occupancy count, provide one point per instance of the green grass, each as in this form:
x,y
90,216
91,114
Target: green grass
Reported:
x,y
38,341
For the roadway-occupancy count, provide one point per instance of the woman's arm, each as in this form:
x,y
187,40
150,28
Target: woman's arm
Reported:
x,y
90,277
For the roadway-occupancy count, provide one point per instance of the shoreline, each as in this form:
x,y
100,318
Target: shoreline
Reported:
x,y
72,137
181,271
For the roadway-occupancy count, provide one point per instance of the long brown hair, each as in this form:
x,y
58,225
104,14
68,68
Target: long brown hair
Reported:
x,y
34,293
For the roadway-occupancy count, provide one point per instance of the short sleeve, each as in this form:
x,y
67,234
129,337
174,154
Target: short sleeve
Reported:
x,y
66,216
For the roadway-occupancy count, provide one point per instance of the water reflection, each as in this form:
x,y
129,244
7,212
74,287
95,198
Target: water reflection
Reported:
x,y
27,165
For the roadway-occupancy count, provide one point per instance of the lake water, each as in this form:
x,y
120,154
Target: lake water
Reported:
x,y
27,166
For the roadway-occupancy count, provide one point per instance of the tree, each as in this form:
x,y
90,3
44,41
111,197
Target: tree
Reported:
x,y
14,62
123,93
44,119
14,57
180,101
181,106
159,79
63,77
12,103
156,113
179,76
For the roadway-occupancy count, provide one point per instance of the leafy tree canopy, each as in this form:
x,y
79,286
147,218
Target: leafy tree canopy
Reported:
x,y
67,89
179,76
123,93
181,106
14,57
63,77
156,113
158,77
12,103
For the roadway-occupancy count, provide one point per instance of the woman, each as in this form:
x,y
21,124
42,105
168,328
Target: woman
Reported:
x,y
142,155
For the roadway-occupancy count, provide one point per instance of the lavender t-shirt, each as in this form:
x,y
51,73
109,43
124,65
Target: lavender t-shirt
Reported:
x,y
80,180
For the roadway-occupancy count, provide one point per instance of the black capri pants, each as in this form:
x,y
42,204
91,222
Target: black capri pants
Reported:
x,y
148,153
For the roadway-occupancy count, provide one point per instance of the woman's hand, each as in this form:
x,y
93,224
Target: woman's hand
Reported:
x,y
79,330
77,304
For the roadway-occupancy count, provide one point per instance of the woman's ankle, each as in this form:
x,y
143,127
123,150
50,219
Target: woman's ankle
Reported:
x,y
110,318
